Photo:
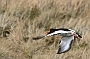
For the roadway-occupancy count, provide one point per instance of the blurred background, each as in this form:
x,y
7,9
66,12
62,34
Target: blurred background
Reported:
x,y
21,20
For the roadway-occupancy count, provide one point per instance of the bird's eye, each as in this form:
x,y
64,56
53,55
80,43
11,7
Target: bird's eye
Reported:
x,y
59,33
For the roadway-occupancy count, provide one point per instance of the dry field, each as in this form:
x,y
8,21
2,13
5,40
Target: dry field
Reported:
x,y
21,20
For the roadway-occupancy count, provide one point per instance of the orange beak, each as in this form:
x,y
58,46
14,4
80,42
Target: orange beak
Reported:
x,y
47,32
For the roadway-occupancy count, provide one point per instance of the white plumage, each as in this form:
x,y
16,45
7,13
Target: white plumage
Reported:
x,y
68,36
65,44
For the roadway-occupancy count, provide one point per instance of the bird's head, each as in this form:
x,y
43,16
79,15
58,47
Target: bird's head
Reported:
x,y
50,31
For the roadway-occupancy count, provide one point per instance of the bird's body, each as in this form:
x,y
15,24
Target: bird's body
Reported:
x,y
68,36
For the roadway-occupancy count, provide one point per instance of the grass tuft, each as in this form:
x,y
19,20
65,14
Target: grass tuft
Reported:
x,y
25,19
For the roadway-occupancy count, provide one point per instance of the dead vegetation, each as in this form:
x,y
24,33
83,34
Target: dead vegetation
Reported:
x,y
21,20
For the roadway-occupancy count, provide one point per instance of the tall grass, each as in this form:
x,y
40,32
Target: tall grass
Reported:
x,y
25,19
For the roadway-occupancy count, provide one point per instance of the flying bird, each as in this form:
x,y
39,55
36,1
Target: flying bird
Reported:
x,y
68,36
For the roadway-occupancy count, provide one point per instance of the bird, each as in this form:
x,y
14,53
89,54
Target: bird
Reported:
x,y
68,36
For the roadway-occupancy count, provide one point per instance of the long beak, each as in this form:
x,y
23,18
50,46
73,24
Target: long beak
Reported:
x,y
47,32
38,37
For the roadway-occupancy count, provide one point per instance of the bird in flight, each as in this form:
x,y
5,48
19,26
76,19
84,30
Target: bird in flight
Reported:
x,y
68,36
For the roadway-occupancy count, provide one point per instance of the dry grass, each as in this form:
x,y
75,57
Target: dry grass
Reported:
x,y
25,19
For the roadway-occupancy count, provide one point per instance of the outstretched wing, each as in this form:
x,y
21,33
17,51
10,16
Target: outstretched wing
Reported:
x,y
58,32
65,44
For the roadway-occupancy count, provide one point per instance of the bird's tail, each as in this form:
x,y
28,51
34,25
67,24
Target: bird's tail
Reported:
x,y
79,35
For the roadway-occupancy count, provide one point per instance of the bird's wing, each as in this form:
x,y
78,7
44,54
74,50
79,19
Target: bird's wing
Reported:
x,y
65,44
50,34
58,32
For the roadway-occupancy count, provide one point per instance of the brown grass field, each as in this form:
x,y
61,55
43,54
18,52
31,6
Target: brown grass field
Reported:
x,y
26,19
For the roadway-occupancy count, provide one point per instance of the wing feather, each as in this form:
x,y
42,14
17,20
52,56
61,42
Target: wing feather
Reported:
x,y
65,44
58,32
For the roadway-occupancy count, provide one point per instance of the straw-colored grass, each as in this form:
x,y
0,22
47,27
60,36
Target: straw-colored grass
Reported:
x,y
25,19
